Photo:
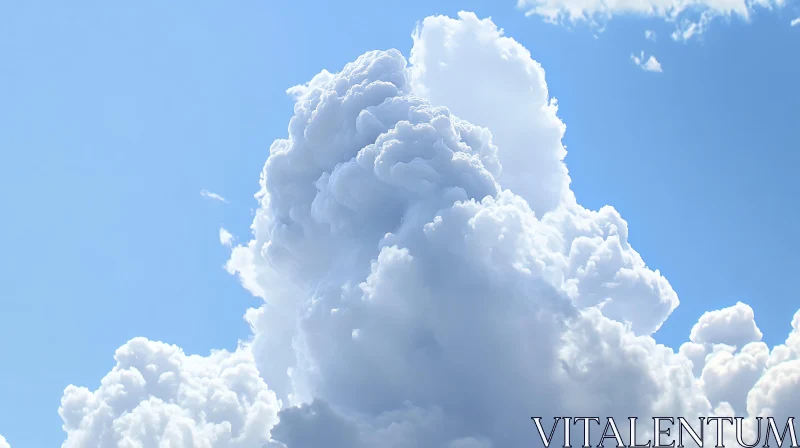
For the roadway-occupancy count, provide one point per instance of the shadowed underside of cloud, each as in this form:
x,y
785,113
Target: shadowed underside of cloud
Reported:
x,y
690,18
430,281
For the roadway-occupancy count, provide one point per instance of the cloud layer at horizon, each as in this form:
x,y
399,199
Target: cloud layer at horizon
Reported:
x,y
430,281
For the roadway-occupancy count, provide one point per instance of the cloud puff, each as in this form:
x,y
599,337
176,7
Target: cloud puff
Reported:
x,y
727,376
158,396
211,195
650,64
650,35
225,237
734,325
588,251
735,368
795,22
508,95
3,443
776,392
690,18
412,298
474,307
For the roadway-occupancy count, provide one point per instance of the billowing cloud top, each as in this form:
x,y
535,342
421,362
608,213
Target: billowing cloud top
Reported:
x,y
430,281
733,326
157,396
479,74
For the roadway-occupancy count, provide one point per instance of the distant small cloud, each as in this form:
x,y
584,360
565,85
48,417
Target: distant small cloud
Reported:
x,y
650,35
207,194
650,64
689,29
795,21
225,237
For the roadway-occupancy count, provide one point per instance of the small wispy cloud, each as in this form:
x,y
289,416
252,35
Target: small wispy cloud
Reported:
x,y
650,64
795,22
210,195
650,35
691,19
225,237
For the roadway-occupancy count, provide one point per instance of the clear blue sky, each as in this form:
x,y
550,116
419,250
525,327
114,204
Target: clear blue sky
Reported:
x,y
114,116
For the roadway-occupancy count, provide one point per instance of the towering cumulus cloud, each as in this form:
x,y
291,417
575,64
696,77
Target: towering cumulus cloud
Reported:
x,y
413,300
430,281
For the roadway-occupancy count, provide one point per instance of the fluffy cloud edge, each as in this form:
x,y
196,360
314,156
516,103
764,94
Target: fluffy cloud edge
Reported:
x,y
157,394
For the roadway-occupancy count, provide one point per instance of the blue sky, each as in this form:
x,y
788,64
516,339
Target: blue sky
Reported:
x,y
114,117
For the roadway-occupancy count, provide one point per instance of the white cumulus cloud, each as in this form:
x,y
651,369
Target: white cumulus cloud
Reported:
x,y
736,369
734,325
465,296
3,442
158,396
649,64
429,280
510,80
727,376
650,35
795,22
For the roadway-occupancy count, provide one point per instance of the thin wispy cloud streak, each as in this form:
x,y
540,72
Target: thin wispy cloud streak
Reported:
x,y
214,196
689,19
